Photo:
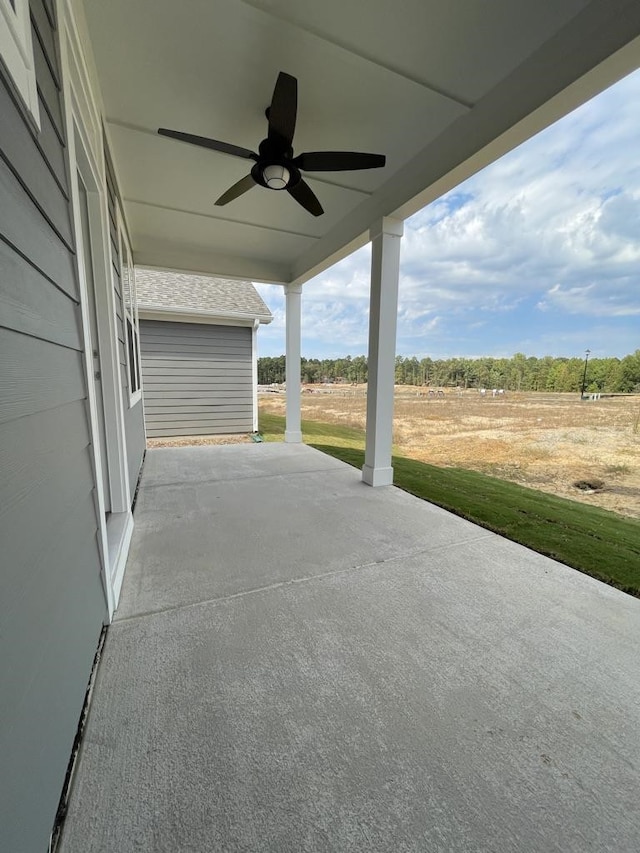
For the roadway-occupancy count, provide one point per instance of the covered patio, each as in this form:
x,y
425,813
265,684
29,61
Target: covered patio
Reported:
x,y
297,662
439,90
302,663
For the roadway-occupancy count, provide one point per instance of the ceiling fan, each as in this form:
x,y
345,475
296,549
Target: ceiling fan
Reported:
x,y
275,166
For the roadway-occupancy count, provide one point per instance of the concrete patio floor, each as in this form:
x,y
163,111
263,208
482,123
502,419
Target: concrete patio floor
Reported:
x,y
302,663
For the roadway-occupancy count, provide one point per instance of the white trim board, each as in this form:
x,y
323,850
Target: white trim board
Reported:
x,y
86,156
16,53
178,316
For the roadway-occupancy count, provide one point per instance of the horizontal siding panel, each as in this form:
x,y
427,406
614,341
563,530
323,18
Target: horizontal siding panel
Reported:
x,y
178,327
115,278
42,27
211,398
114,239
52,149
162,409
186,350
236,426
217,369
37,375
20,149
111,181
48,88
216,362
119,326
221,412
157,351
231,336
113,222
111,206
178,383
202,384
47,673
204,334
211,418
198,378
52,605
194,386
76,524
47,472
23,225
199,358
218,429
185,429
201,338
29,303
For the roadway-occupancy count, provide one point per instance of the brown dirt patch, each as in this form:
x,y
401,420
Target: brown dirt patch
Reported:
x,y
545,441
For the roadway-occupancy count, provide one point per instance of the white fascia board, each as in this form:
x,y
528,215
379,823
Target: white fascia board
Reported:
x,y
599,47
189,316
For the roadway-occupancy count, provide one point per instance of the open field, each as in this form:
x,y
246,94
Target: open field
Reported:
x,y
545,441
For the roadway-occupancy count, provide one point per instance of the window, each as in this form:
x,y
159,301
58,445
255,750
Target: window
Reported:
x,y
16,52
131,319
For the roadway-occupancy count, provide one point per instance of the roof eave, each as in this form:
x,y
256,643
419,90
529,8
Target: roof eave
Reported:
x,y
227,318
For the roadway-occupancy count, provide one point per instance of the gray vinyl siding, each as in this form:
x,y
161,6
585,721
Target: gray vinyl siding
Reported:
x,y
197,378
52,604
133,415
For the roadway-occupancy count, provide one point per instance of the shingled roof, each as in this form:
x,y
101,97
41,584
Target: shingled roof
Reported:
x,y
160,290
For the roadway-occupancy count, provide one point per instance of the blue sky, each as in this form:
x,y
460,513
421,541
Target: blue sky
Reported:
x,y
538,253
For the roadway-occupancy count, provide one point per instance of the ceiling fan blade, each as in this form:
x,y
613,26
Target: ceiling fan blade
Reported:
x,y
205,142
305,196
338,161
283,110
242,186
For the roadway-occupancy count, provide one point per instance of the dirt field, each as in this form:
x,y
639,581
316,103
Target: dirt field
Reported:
x,y
545,441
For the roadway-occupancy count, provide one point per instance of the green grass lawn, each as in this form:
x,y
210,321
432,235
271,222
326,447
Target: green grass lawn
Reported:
x,y
593,540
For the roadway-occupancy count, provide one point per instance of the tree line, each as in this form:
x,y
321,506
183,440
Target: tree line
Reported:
x,y
518,373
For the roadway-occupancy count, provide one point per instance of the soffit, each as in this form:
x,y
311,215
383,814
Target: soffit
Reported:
x,y
429,83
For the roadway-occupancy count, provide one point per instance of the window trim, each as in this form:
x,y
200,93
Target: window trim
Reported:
x,y
130,318
16,53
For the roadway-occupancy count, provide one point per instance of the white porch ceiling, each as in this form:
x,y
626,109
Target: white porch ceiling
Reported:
x,y
442,87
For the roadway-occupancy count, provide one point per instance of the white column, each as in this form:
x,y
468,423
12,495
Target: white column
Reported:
x,y
254,372
383,311
293,431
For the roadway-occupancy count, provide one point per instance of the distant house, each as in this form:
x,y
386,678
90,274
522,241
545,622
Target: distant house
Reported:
x,y
199,354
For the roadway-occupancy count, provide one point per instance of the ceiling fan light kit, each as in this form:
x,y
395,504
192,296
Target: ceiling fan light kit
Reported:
x,y
276,177
275,166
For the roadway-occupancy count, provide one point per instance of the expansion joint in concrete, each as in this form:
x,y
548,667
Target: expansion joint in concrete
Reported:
x,y
396,558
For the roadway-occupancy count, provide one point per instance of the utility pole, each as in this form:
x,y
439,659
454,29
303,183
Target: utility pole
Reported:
x,y
587,353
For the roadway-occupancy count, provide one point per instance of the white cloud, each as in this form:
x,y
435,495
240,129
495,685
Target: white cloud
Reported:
x,y
554,224
586,300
